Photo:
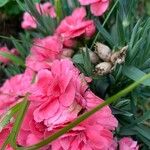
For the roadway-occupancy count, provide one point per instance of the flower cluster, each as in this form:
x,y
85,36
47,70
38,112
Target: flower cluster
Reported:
x,y
58,91
29,21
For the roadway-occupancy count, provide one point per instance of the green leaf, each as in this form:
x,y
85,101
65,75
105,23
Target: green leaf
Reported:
x,y
143,118
16,60
121,112
58,9
143,130
5,119
3,2
104,33
36,1
11,139
19,47
120,30
78,58
135,74
144,140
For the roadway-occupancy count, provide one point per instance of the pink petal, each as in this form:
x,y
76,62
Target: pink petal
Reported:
x,y
99,8
46,111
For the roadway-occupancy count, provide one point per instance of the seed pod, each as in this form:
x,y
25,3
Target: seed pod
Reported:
x,y
103,68
103,51
93,56
119,57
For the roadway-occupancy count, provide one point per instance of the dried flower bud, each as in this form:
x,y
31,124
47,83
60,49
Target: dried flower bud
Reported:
x,y
103,51
119,57
93,56
67,53
103,68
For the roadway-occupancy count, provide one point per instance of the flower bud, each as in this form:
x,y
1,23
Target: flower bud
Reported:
x,y
119,57
103,51
103,68
93,56
67,53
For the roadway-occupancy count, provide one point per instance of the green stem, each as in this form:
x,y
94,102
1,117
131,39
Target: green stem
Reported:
x,y
86,115
12,138
59,11
105,21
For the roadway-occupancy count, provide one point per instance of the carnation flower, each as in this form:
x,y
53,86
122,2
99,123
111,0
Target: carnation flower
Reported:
x,y
14,89
94,133
98,7
29,22
128,143
43,52
74,26
54,94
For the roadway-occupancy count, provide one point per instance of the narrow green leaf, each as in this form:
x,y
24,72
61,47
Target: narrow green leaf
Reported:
x,y
104,33
5,119
16,60
78,58
3,2
135,74
58,9
19,47
143,130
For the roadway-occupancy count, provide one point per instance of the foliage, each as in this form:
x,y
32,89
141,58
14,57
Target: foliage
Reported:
x,y
122,26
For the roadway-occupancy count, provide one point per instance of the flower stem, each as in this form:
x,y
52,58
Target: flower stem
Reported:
x,y
86,115
12,138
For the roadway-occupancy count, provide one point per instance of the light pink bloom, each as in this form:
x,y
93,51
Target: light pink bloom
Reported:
x,y
75,25
98,7
92,134
29,22
43,52
128,143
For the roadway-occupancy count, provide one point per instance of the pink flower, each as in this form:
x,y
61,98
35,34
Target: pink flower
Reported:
x,y
43,52
104,116
92,134
31,132
127,143
46,9
98,7
14,89
29,22
75,25
54,94
4,134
